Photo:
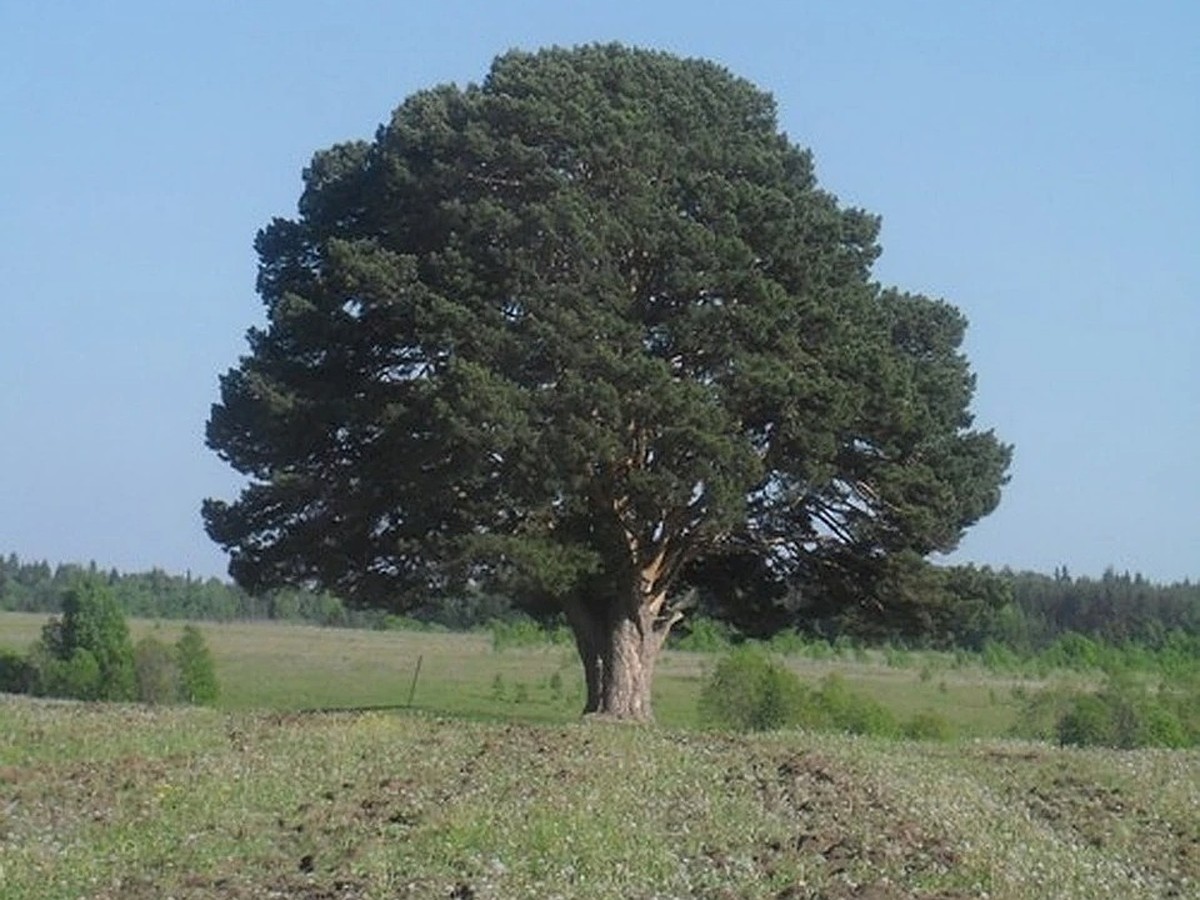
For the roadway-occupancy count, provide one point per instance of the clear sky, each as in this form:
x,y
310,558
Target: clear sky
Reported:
x,y
1037,164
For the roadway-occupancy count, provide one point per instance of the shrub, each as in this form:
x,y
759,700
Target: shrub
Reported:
x,y
1088,722
197,673
1163,727
929,726
1123,714
78,676
157,671
897,657
819,649
16,673
87,654
402,623
525,632
996,657
703,635
1040,712
1185,701
1073,651
843,710
790,643
93,621
750,691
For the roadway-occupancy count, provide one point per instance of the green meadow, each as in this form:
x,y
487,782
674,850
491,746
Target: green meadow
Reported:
x,y
315,777
268,665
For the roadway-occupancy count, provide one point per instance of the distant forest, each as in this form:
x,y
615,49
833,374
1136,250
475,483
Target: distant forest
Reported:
x,y
1034,611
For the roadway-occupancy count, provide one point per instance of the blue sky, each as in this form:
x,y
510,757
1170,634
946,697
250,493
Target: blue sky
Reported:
x,y
1036,164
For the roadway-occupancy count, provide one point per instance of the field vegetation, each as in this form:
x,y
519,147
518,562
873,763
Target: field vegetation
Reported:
x,y
342,763
121,801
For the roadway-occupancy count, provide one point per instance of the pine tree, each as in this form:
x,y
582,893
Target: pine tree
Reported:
x,y
197,672
573,330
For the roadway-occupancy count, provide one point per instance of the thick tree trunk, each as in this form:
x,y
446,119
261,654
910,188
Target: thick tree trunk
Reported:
x,y
631,652
587,626
618,647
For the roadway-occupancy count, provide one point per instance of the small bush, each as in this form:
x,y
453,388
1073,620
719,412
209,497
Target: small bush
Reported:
x,y
197,673
844,646
525,632
156,670
897,657
408,623
78,677
1163,727
16,673
929,726
840,709
703,635
1088,722
750,691
1123,714
996,657
790,643
1040,712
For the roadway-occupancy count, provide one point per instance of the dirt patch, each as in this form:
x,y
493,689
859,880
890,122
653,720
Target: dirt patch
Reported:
x,y
844,830
1108,815
231,888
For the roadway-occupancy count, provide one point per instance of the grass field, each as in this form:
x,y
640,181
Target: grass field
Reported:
x,y
129,802
265,665
489,786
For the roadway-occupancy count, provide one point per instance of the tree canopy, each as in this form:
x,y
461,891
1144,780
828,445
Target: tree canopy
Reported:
x,y
580,331
87,653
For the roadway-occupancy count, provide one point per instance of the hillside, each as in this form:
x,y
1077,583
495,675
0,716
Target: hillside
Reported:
x,y
130,802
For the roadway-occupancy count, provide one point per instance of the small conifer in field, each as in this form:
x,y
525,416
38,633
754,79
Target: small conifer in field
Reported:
x,y
197,673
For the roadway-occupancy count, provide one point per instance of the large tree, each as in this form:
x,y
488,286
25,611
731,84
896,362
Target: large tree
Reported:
x,y
575,332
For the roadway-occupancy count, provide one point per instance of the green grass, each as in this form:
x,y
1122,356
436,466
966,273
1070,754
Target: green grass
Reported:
x,y
267,665
490,786
125,802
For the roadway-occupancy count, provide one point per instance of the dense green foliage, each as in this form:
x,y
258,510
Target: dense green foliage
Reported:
x,y
17,673
157,671
184,673
749,690
574,331
1046,622
1114,609
197,673
87,653
27,586
1125,712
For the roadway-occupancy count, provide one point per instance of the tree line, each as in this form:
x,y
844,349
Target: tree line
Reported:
x,y
1117,608
36,586
967,608
87,653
